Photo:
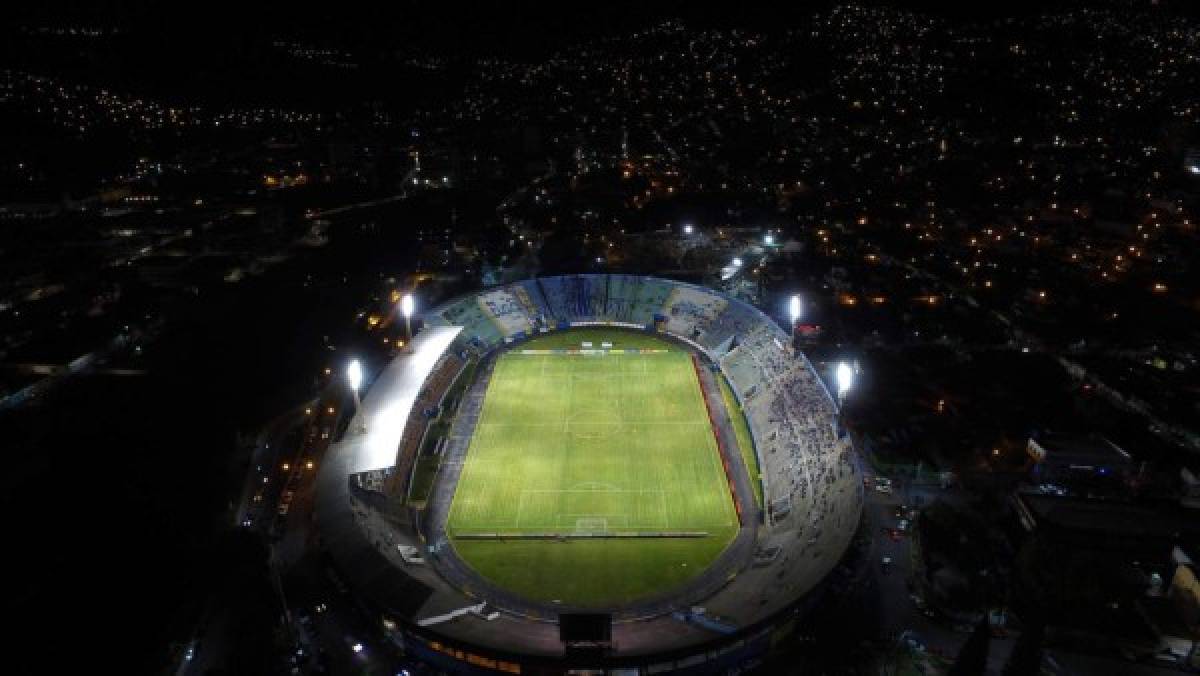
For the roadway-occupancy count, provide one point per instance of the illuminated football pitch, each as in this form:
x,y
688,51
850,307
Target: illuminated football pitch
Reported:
x,y
592,479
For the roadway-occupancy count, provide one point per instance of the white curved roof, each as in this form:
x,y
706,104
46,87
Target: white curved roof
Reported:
x,y
389,401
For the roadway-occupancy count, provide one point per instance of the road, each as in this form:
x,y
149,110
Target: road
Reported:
x,y
898,611
265,457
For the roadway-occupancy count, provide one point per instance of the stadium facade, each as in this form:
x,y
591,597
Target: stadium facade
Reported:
x,y
385,536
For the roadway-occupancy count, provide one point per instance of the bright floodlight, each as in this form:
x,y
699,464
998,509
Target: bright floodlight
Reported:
x,y
688,229
406,305
845,378
794,308
769,239
737,262
354,374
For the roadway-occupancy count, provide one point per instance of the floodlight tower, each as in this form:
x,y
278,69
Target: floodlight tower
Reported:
x,y
794,313
845,379
354,376
406,309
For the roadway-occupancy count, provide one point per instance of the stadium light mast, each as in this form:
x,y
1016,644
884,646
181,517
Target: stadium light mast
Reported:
x,y
794,312
845,379
406,308
354,376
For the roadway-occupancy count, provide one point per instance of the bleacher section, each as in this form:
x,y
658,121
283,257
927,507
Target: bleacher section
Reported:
x,y
621,293
466,312
793,420
440,379
691,311
530,295
512,314
573,298
651,295
736,320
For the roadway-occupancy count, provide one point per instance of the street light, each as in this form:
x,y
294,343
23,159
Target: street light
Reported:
x,y
354,376
688,229
769,239
737,262
406,309
794,310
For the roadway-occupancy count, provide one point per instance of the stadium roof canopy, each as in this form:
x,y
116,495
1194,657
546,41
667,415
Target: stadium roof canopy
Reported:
x,y
390,399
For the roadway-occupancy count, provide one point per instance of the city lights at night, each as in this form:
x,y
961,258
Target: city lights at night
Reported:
x,y
604,338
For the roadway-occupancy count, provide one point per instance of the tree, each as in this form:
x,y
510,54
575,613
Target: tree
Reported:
x,y
973,656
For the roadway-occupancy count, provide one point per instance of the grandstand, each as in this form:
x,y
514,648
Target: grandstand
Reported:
x,y
424,407
691,312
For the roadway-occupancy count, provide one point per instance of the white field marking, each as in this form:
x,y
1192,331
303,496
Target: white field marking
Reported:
x,y
626,518
593,490
476,505
594,485
578,423
520,504
673,377
591,525
572,519
603,377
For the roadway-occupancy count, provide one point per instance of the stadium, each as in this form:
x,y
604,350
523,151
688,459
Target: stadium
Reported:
x,y
605,471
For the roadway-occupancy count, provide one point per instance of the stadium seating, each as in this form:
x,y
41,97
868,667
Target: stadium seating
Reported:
x,y
792,417
690,311
439,381
620,296
736,320
651,295
467,313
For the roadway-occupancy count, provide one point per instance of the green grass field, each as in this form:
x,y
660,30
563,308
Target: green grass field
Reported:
x,y
578,444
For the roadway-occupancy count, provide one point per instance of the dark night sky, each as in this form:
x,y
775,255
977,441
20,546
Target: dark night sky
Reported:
x,y
512,28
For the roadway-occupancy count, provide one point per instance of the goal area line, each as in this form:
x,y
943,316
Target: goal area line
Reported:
x,y
593,352
575,535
